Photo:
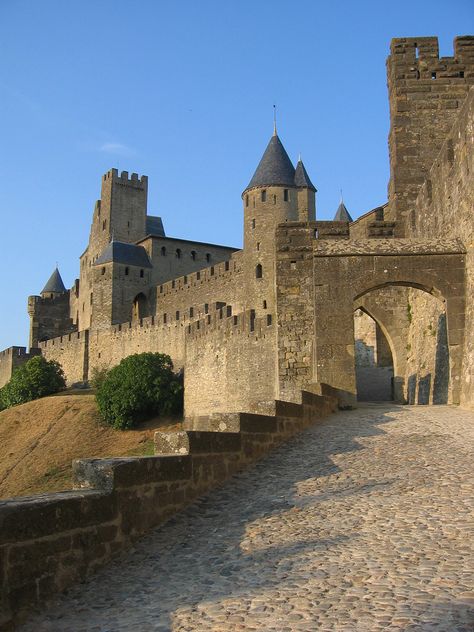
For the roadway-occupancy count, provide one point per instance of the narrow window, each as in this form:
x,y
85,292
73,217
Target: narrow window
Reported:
x,y
269,320
193,255
433,75
126,271
178,253
191,312
185,279
104,224
274,199
253,223
258,245
226,266
461,74
103,271
208,257
258,271
198,276
142,273
165,318
206,308
264,304
163,251
246,200
177,315
161,289
173,284
285,195
416,51
212,270
264,195
252,320
229,311
91,298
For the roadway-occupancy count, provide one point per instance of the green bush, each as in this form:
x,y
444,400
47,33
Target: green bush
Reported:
x,y
98,376
141,386
36,378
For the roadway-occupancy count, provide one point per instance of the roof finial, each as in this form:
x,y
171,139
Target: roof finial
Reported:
x,y
342,198
274,120
57,267
299,157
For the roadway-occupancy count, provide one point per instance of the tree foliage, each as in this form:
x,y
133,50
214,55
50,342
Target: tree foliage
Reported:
x,y
141,386
36,378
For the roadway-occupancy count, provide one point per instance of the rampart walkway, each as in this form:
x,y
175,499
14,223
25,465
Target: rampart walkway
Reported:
x,y
363,523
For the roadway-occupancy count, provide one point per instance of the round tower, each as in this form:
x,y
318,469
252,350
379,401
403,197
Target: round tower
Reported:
x,y
277,193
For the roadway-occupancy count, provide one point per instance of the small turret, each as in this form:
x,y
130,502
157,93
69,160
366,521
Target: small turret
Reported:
x,y
306,194
54,285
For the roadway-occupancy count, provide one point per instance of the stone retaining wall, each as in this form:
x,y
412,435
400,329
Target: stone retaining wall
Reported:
x,y
50,541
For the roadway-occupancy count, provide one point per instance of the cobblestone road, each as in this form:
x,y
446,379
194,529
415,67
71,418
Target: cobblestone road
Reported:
x,y
362,523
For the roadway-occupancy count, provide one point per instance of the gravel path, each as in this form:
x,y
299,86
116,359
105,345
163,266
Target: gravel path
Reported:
x,y
364,522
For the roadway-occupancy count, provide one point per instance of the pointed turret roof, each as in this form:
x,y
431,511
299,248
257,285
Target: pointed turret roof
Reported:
x,y
55,284
302,178
342,214
275,167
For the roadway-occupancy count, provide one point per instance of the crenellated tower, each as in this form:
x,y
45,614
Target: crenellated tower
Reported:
x,y
426,92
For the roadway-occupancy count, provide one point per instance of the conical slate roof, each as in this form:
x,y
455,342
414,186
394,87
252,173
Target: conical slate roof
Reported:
x,y
55,284
128,254
275,167
342,214
302,177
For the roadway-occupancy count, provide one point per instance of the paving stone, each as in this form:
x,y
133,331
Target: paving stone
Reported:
x,y
381,539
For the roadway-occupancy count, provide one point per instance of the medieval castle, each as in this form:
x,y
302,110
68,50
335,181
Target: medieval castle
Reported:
x,y
262,323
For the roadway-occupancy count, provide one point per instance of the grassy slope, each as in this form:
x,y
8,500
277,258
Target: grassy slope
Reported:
x,y
39,440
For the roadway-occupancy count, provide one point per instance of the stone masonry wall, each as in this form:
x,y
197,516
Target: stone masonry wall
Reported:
x,y
426,93
230,363
444,208
50,541
12,358
72,353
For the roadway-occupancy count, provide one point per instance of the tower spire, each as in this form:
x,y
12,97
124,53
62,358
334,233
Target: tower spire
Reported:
x,y
274,120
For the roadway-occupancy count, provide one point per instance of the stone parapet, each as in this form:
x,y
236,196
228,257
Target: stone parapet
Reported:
x,y
50,541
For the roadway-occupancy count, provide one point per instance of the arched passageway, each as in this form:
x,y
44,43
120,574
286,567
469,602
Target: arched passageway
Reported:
x,y
373,360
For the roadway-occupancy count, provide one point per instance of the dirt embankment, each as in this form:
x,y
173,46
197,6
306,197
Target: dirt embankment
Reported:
x,y
39,440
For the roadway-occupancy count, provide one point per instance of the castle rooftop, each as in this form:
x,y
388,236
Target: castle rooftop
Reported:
x,y
342,214
302,178
128,254
54,284
275,168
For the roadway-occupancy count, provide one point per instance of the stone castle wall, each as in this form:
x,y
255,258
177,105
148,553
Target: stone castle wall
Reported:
x,y
11,359
444,208
426,93
72,353
230,363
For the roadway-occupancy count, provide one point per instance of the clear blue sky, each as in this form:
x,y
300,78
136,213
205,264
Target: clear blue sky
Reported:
x,y
183,92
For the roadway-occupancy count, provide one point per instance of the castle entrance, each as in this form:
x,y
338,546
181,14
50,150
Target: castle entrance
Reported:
x,y
414,292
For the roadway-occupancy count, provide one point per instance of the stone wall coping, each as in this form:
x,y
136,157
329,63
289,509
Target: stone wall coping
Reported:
x,y
388,247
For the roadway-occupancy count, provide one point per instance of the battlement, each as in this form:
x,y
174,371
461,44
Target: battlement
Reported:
x,y
59,340
421,55
223,320
134,180
194,279
19,352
